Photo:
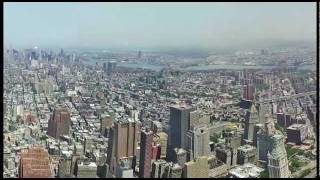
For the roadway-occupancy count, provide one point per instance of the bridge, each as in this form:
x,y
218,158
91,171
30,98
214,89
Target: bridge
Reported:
x,y
282,98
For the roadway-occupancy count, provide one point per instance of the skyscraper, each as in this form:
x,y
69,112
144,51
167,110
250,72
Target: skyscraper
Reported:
x,y
197,119
246,154
264,111
257,128
156,168
139,54
297,133
248,90
61,52
145,153
123,142
86,169
278,164
175,171
227,155
162,139
105,124
105,67
179,123
180,156
59,123
64,167
88,141
264,140
198,140
124,169
198,168
34,163
252,118
111,67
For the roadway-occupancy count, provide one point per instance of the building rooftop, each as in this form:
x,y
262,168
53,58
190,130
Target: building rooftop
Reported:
x,y
246,148
181,107
247,170
296,126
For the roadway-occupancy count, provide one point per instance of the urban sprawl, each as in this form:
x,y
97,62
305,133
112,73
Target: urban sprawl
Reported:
x,y
65,117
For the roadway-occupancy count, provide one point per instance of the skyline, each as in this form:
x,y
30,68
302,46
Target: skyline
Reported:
x,y
157,25
160,90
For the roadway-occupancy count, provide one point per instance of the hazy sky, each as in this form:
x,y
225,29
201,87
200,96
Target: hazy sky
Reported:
x,y
153,25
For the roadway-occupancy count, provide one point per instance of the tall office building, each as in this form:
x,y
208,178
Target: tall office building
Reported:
x,y
197,119
198,142
105,67
175,171
251,119
162,139
139,54
180,156
246,154
123,142
88,142
297,133
35,163
156,168
61,52
102,169
145,153
248,90
64,167
264,111
232,137
156,150
257,128
4,106
78,149
165,170
105,124
264,140
124,170
227,155
198,168
285,119
59,123
278,164
156,126
179,124
281,119
86,169
216,168
111,67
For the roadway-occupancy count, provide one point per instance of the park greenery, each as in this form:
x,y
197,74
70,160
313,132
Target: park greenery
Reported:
x,y
279,128
291,151
295,165
264,174
214,138
305,173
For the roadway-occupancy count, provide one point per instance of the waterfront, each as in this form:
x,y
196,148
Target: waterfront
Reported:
x,y
202,67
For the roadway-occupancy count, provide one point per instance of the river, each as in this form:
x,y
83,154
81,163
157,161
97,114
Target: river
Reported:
x,y
203,67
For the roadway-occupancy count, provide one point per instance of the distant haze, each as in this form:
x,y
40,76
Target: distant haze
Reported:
x,y
158,25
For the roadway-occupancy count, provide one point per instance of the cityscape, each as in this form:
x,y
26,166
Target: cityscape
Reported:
x,y
159,107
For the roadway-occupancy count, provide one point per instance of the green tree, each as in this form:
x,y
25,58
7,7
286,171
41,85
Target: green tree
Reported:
x,y
279,128
43,137
214,138
264,174
305,173
296,163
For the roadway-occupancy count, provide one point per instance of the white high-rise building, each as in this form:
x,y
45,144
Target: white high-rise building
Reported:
x,y
198,142
278,165
20,110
